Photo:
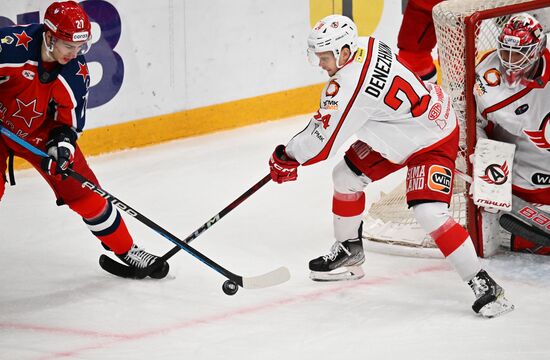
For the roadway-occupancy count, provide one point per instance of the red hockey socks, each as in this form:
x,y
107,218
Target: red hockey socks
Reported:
x,y
348,204
348,214
105,222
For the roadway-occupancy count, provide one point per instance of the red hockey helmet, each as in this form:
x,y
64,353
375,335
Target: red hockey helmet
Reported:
x,y
69,22
521,43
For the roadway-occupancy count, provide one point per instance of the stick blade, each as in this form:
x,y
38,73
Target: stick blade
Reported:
x,y
115,268
272,278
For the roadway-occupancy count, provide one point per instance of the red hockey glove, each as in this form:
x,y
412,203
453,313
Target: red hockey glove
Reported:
x,y
60,147
282,167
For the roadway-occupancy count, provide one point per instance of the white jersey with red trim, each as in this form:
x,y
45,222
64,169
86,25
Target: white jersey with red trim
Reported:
x,y
375,97
519,116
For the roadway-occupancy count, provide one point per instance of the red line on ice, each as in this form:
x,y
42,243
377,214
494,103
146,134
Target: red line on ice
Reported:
x,y
116,338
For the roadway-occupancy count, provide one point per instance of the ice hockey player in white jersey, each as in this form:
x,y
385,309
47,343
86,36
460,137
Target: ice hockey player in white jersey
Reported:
x,y
513,104
399,121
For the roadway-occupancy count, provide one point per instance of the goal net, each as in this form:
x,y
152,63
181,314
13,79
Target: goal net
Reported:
x,y
465,30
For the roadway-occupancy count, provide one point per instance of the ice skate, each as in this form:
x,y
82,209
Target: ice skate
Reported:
x,y
490,301
342,263
138,258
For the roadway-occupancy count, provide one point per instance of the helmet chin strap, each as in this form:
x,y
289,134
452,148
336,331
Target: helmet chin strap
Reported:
x,y
49,48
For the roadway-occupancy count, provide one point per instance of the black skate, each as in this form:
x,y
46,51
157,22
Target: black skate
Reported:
x,y
138,258
490,300
342,263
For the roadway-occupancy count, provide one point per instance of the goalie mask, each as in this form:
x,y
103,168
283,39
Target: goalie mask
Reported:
x,y
520,46
331,33
67,21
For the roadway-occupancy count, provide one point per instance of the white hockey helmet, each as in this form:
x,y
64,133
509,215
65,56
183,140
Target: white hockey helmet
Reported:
x,y
520,46
331,33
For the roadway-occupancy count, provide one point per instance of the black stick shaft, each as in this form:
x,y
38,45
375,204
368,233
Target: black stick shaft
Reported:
x,y
219,215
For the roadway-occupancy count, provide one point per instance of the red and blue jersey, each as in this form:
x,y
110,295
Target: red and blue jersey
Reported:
x,y
34,93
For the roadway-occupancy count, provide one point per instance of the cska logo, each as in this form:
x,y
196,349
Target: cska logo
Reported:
x,y
496,174
541,137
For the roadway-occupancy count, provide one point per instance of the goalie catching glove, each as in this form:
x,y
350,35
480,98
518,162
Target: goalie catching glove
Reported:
x,y
61,147
281,167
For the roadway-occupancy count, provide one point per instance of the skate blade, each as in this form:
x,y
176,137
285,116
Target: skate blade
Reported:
x,y
496,308
340,274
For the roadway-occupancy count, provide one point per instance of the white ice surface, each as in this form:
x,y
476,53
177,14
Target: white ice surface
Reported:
x,y
56,303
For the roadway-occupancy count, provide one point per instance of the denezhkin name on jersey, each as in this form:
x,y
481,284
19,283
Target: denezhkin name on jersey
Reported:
x,y
377,81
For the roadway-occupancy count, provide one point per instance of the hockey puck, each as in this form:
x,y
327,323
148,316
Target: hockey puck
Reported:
x,y
230,287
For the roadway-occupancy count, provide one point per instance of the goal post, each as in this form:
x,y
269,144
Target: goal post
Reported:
x,y
465,31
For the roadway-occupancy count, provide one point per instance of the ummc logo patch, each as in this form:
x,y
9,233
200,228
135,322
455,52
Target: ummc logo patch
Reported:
x,y
440,179
330,105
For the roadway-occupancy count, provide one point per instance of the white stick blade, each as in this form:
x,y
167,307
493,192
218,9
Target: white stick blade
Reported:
x,y
272,278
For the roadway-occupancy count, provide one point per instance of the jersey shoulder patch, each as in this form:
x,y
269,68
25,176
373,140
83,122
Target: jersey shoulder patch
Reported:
x,y
20,43
360,55
488,75
329,100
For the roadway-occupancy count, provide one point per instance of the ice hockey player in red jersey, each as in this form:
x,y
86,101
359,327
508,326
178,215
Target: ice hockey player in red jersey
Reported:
x,y
512,97
400,121
44,84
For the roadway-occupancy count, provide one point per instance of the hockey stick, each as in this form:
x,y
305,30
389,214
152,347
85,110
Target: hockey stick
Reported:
x,y
271,278
211,222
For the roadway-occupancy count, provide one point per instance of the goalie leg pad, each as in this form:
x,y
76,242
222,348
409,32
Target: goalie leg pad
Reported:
x,y
519,244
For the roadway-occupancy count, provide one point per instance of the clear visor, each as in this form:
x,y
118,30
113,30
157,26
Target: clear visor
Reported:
x,y
312,57
80,47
